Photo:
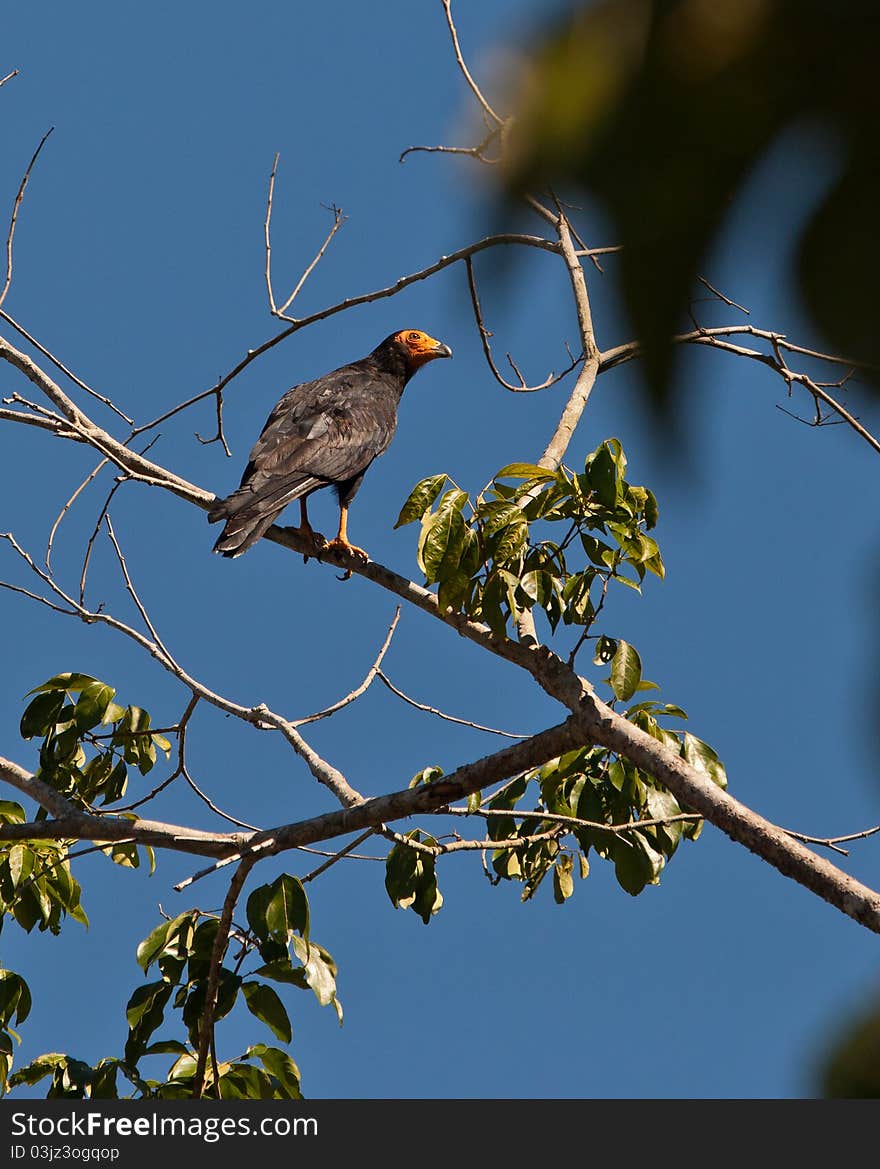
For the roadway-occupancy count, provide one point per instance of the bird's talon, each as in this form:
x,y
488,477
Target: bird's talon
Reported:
x,y
337,545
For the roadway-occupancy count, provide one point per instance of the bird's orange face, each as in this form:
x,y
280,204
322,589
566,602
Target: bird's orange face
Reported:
x,y
420,347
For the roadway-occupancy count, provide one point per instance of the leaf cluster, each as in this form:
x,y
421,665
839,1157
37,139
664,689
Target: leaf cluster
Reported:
x,y
411,876
180,950
619,802
536,539
78,758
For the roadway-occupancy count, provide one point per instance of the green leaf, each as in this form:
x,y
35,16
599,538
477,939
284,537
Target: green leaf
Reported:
x,y
41,714
262,1002
563,881
11,813
626,671
420,499
125,855
15,998
144,1013
167,1047
319,969
257,904
701,756
71,683
524,471
401,866
162,743
453,591
652,509
443,537
288,908
426,775
602,473
279,1064
37,1069
281,970
92,705
154,943
21,864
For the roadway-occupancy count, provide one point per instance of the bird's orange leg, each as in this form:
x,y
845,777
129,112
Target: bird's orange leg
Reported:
x,y
340,542
305,531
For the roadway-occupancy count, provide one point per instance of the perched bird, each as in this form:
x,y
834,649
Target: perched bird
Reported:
x,y
324,433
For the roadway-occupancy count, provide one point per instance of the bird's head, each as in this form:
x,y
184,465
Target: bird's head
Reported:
x,y
418,348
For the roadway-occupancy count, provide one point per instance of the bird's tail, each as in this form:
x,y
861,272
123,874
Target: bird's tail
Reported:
x,y
249,514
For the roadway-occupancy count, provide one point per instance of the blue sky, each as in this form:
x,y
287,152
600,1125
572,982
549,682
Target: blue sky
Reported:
x,y
139,261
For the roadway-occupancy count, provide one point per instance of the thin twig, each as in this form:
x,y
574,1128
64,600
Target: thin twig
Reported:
x,y
523,388
90,543
720,296
478,152
180,731
359,690
500,240
573,821
219,436
832,842
475,89
338,219
715,339
248,852
463,722
9,77
88,479
132,591
338,856
15,209
259,716
77,381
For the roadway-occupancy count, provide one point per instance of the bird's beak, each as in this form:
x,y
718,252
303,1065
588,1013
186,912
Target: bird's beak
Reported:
x,y
439,350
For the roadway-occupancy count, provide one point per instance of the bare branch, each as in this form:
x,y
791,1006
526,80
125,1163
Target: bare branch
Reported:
x,y
571,415
9,77
219,436
88,479
259,716
474,88
15,209
338,220
720,296
833,842
22,331
503,239
715,339
359,690
463,722
132,591
551,379
478,152
572,821
338,856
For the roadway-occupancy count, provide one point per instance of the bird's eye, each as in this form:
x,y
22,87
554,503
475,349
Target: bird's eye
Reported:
x,y
414,337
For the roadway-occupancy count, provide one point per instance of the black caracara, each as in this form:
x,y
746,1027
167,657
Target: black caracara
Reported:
x,y
323,433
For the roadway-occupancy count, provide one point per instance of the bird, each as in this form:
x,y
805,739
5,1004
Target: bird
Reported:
x,y
323,433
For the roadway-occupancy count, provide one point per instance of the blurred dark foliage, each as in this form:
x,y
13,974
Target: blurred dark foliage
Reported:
x,y
850,1069
660,109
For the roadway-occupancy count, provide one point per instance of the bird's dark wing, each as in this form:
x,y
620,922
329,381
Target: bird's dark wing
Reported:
x,y
330,429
